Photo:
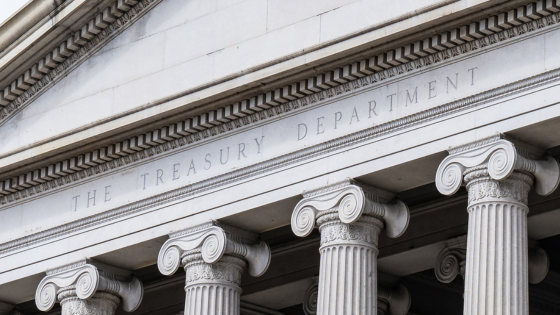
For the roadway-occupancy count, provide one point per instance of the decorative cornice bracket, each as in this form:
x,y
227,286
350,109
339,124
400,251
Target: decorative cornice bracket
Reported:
x,y
502,158
352,199
213,241
89,277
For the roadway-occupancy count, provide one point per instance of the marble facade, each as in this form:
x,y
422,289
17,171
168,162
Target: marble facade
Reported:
x,y
281,157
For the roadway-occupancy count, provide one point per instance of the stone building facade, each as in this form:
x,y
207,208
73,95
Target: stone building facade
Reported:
x,y
331,157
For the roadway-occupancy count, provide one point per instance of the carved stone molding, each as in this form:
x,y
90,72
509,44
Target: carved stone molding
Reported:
x,y
214,257
291,97
497,159
21,193
389,301
212,241
350,216
103,285
72,52
348,201
452,259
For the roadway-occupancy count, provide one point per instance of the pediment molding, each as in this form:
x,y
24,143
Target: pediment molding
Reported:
x,y
259,108
70,54
276,111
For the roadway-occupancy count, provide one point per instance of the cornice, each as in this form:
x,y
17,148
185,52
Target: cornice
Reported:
x,y
70,54
20,86
262,107
280,161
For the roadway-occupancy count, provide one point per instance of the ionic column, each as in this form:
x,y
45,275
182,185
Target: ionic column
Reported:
x,y
498,175
214,257
89,287
350,216
389,301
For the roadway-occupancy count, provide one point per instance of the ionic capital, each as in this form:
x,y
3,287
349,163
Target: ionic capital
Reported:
x,y
213,240
89,277
499,158
451,261
311,297
352,200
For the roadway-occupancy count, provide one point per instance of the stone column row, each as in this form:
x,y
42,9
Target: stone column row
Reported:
x,y
213,255
494,258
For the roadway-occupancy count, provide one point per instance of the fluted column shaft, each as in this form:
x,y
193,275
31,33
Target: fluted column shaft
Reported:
x,y
348,270
496,264
212,289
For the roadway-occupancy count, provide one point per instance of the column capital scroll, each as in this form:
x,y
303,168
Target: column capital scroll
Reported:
x,y
499,158
88,277
352,200
212,240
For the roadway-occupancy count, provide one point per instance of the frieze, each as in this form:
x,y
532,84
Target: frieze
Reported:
x,y
252,110
281,161
268,165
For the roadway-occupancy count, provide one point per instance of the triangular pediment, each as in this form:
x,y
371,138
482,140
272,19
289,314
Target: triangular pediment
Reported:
x,y
153,50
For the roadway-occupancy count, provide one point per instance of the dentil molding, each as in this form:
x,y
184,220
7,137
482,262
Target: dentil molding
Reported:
x,y
113,157
386,65
71,53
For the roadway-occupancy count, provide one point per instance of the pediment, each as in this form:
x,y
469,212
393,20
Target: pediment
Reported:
x,y
73,85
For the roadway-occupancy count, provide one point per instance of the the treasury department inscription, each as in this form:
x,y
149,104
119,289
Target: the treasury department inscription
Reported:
x,y
316,123
352,113
382,102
